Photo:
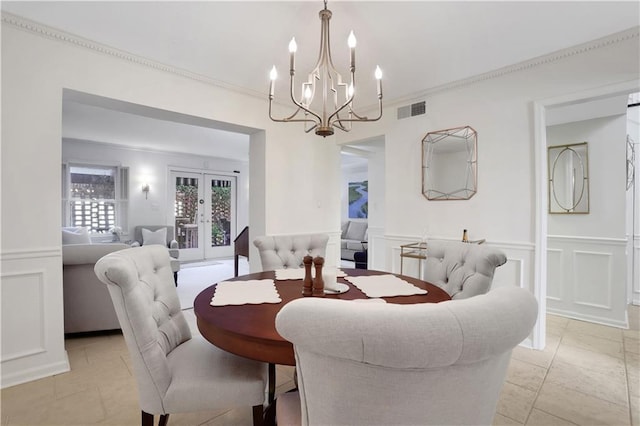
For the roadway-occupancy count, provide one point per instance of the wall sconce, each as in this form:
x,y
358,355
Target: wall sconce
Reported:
x,y
145,189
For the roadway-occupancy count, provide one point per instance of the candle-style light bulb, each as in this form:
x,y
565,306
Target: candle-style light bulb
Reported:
x,y
307,93
292,45
351,90
272,76
351,40
292,55
378,73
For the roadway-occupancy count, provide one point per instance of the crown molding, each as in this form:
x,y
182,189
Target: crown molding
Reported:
x,y
63,36
72,39
622,36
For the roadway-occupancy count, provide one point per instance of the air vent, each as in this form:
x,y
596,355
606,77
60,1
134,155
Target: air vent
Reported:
x,y
412,110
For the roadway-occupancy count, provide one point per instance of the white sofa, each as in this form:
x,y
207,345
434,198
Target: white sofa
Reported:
x,y
354,234
87,304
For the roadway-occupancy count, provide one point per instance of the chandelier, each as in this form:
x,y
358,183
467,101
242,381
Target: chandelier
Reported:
x,y
324,78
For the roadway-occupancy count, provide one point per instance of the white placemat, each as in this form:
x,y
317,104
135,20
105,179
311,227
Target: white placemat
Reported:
x,y
290,274
384,286
298,273
252,292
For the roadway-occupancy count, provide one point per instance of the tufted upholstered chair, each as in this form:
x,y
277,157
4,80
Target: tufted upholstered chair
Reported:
x,y
389,364
461,269
174,371
287,251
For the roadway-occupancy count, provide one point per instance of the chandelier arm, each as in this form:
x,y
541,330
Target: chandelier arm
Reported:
x,y
363,119
348,102
344,105
340,126
311,128
290,118
337,111
299,104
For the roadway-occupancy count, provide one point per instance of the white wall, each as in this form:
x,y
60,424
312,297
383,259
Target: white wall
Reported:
x,y
153,167
295,177
587,252
500,107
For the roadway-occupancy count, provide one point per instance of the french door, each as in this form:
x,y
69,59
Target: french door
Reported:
x,y
204,214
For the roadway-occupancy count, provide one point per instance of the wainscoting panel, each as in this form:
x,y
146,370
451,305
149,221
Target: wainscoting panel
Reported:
x,y
592,279
518,271
376,248
32,322
635,288
555,274
23,293
509,274
587,279
332,253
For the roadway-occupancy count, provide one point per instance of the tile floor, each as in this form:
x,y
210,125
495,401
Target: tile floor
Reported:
x,y
588,375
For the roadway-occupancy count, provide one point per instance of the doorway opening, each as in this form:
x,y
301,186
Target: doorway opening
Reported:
x,y
363,201
611,247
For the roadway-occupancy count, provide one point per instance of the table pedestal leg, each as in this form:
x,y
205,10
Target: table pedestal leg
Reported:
x,y
272,382
270,412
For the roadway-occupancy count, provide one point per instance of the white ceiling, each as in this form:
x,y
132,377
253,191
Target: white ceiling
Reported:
x,y
418,44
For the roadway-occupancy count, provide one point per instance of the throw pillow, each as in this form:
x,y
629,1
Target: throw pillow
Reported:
x,y
154,237
75,236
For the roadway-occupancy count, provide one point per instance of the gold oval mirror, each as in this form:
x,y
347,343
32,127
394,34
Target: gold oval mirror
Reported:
x,y
568,178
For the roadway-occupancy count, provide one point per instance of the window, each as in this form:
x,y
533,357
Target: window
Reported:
x,y
95,196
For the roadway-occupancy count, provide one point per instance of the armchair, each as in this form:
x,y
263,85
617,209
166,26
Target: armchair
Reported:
x,y
425,364
175,371
154,234
287,251
461,269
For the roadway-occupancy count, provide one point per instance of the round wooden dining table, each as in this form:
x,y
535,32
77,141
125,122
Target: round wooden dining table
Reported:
x,y
250,331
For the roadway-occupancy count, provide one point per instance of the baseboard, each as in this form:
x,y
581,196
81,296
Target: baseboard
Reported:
x,y
590,318
40,372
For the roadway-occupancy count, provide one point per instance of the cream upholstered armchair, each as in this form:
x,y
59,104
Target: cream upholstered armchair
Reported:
x,y
461,269
385,364
161,235
174,371
287,251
